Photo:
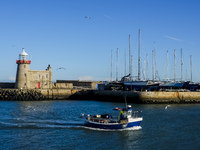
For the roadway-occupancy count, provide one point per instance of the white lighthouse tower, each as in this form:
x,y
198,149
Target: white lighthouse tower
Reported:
x,y
22,70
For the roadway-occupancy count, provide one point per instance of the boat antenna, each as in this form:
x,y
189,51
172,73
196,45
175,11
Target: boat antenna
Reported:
x,y
125,101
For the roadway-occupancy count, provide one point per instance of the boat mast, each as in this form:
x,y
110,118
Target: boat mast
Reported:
x,y
191,67
152,65
174,65
139,57
131,64
156,71
167,67
125,63
144,70
111,68
117,67
181,65
130,57
147,78
186,74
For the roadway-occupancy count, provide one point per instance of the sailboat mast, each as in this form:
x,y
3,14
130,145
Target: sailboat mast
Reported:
x,y
152,65
139,57
125,63
191,67
147,78
117,67
181,65
167,67
156,72
186,74
174,65
111,68
130,57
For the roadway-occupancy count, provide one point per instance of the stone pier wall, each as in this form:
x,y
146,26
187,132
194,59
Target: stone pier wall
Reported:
x,y
35,94
140,97
113,96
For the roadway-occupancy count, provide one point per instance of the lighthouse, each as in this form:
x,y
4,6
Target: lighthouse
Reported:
x,y
31,79
22,70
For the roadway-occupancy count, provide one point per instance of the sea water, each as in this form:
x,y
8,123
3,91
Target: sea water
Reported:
x,y
57,125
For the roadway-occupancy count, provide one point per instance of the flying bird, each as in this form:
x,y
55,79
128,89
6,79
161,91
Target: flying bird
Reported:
x,y
61,68
87,17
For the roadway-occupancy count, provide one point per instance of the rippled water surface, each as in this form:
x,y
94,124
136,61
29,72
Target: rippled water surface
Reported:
x,y
57,125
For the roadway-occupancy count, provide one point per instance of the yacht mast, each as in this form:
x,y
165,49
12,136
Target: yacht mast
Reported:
x,y
125,63
167,67
130,57
191,67
111,68
156,71
181,65
139,57
152,65
147,78
117,67
174,66
186,74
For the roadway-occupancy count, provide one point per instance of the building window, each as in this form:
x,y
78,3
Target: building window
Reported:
x,y
24,66
46,75
24,75
24,84
38,75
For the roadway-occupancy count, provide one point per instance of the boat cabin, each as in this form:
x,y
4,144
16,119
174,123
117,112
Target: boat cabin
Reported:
x,y
126,112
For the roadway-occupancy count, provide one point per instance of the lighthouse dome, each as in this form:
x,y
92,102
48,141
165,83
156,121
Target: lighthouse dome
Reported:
x,y
23,55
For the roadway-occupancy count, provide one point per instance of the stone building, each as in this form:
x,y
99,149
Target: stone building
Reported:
x,y
31,79
80,84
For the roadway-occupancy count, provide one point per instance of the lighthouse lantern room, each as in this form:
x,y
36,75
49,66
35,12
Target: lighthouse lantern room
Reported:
x,y
23,58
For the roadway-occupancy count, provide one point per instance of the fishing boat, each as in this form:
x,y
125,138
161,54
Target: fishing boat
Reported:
x,y
126,119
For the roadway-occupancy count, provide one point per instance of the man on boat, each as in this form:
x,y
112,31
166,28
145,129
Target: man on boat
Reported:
x,y
121,115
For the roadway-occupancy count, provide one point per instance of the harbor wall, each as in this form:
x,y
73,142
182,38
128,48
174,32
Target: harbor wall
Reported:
x,y
170,97
113,96
36,94
141,97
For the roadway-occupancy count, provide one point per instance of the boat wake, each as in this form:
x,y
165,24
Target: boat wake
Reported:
x,y
39,124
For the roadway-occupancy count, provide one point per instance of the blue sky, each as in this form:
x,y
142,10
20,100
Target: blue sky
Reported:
x,y
56,32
